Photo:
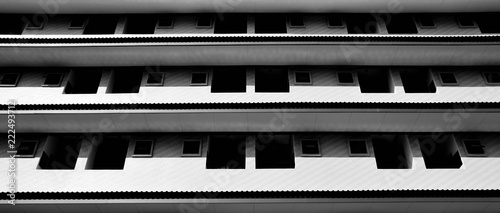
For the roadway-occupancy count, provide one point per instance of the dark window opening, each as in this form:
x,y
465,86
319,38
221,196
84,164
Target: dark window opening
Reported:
x,y
165,21
392,152
492,77
448,78
426,21
226,152
155,79
345,77
204,21
401,24
488,22
417,81
101,24
10,79
230,23
274,151
303,78
358,148
270,23
11,24
466,21
36,23
53,79
125,80
143,148
473,147
110,153
27,149
83,81
229,79
191,148
60,153
375,81
361,24
440,153
310,147
335,21
296,21
140,24
199,78
78,21
271,80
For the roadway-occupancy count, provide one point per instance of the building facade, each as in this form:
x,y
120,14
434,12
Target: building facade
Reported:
x,y
250,106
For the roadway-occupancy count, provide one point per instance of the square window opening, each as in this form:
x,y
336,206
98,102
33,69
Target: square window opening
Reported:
x,y
473,147
78,22
140,24
36,23
125,80
358,148
417,81
270,23
375,81
10,79
204,21
109,154
191,148
277,154
303,78
426,21
199,79
392,151
271,80
101,24
60,152
335,21
143,148
296,21
361,24
466,22
345,78
310,147
492,78
165,21
229,79
155,79
226,152
83,81
448,78
53,80
230,23
27,149
401,24
440,153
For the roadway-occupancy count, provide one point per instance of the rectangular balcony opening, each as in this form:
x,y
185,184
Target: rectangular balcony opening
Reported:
x,y
401,24
270,23
271,80
125,80
230,23
361,24
140,24
83,81
11,24
229,79
417,81
60,152
375,81
440,152
274,151
226,152
101,24
488,22
392,151
107,152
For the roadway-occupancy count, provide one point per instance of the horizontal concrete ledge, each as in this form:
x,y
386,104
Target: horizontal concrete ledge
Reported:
x,y
264,54
244,6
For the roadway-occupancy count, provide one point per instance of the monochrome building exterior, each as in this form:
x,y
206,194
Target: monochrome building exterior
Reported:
x,y
250,106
